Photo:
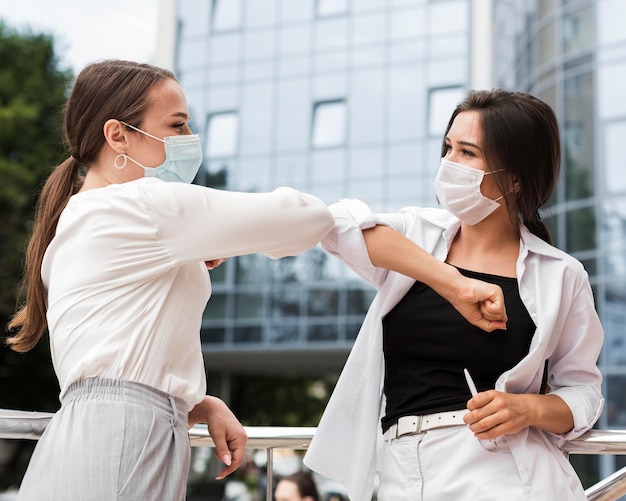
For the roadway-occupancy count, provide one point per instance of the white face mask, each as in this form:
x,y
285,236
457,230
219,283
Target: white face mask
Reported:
x,y
458,190
183,157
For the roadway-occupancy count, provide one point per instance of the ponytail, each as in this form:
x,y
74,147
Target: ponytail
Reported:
x,y
101,91
537,227
30,320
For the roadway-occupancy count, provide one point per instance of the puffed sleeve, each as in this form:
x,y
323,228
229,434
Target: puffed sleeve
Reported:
x,y
345,241
199,223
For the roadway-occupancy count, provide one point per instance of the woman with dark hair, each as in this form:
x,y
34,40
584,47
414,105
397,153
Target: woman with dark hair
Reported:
x,y
406,405
298,486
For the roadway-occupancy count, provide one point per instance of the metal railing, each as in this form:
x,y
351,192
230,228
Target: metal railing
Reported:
x,y
30,425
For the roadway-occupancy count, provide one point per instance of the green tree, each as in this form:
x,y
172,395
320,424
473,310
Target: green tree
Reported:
x,y
287,400
32,93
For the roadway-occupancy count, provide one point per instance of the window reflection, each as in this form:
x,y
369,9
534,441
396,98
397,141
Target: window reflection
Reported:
x,y
368,29
323,332
611,78
578,30
441,103
406,103
615,397
249,305
254,175
294,40
251,269
613,225
329,124
215,335
193,17
358,301
284,333
408,23
259,44
216,309
286,302
225,48
325,8
327,166
615,174
448,17
222,132
574,137
226,15
367,106
252,334
610,17
323,302
257,118
581,229
331,34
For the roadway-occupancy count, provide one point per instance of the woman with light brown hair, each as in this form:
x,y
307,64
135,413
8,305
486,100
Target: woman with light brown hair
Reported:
x,y
116,269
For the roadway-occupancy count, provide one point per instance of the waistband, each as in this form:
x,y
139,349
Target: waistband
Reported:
x,y
126,391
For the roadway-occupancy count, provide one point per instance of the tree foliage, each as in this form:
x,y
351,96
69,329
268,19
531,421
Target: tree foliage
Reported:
x,y
32,94
288,400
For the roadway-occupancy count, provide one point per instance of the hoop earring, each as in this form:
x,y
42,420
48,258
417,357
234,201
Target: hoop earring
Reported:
x,y
116,161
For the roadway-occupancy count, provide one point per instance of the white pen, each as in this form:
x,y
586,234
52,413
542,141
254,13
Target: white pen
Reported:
x,y
472,387
470,383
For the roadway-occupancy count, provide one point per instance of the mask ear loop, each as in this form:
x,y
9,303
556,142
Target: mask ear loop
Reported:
x,y
121,154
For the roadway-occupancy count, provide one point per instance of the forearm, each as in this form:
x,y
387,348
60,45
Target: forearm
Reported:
x,y
549,413
481,303
200,413
390,250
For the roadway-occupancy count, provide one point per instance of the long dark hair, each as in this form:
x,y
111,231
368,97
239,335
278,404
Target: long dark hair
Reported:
x,y
104,90
520,135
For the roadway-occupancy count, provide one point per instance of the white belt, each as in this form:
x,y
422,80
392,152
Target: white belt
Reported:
x,y
411,425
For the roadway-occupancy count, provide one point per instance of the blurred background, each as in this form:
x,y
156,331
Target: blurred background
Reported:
x,y
339,98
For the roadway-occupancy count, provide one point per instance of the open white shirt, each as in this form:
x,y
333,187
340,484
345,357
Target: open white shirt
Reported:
x,y
555,289
126,281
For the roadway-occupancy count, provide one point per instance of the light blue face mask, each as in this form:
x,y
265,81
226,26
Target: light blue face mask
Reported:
x,y
183,157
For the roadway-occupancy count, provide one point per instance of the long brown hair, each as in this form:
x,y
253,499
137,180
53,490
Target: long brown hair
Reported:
x,y
520,135
103,90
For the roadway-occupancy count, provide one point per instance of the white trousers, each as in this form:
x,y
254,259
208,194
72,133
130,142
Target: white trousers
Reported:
x,y
111,440
447,464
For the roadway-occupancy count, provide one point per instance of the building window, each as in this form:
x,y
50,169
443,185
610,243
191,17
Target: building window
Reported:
x,y
441,104
574,137
222,134
226,15
326,8
329,124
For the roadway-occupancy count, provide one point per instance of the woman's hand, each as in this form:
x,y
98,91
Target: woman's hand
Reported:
x,y
481,303
226,431
494,413
214,263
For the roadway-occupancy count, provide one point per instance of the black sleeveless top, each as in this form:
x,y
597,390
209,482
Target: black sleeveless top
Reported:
x,y
427,343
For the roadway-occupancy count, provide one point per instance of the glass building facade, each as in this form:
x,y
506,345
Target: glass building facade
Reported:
x,y
333,97
349,98
572,54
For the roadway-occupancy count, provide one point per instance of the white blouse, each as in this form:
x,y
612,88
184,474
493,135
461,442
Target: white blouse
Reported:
x,y
555,289
126,281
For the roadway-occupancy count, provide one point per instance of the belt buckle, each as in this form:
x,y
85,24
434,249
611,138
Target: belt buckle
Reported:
x,y
408,425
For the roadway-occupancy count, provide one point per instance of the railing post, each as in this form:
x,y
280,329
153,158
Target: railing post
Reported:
x,y
269,474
